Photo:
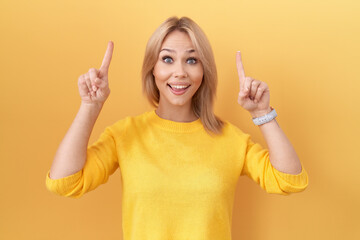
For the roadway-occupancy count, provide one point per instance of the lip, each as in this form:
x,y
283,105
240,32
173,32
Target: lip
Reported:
x,y
180,83
178,91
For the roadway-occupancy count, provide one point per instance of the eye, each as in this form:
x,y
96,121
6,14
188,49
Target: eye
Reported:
x,y
167,59
191,60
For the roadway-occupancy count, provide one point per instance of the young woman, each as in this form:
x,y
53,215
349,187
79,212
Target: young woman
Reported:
x,y
179,163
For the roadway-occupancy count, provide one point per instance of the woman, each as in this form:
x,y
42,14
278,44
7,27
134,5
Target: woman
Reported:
x,y
179,163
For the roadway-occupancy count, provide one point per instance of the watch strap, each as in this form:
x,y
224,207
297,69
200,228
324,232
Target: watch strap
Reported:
x,y
266,118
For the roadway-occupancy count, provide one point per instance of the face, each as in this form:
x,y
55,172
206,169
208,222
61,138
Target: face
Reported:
x,y
178,72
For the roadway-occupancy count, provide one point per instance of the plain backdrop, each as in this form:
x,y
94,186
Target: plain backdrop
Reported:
x,y
306,51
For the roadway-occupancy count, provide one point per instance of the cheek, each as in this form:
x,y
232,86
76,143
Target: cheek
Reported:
x,y
198,75
160,73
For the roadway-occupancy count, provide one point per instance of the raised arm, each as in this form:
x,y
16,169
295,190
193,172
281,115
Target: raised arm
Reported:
x,y
254,96
94,90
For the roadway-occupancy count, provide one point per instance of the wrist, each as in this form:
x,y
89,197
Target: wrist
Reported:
x,y
268,117
261,113
91,107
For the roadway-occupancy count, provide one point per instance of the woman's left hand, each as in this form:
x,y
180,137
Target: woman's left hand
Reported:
x,y
254,95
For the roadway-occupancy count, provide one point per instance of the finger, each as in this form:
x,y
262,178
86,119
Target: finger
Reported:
x,y
260,91
93,74
99,83
107,58
87,81
254,88
240,69
247,84
242,97
245,91
82,84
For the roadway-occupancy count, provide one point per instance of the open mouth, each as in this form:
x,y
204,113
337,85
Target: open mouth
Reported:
x,y
178,89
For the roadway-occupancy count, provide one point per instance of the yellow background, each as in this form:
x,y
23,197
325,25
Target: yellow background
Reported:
x,y
307,51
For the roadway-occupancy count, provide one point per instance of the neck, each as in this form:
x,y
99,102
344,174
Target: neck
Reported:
x,y
176,113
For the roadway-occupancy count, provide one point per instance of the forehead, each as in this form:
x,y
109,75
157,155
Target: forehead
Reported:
x,y
177,40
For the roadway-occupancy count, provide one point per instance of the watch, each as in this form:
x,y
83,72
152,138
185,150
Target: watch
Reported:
x,y
266,118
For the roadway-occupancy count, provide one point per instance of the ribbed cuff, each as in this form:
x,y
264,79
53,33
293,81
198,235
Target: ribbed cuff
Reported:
x,y
59,186
292,182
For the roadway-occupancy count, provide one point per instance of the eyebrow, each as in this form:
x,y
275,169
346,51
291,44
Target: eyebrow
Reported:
x,y
171,50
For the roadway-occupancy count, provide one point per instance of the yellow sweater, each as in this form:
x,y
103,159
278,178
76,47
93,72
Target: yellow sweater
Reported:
x,y
178,181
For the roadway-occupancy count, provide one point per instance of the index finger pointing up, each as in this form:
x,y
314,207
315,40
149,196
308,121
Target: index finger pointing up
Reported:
x,y
107,58
240,69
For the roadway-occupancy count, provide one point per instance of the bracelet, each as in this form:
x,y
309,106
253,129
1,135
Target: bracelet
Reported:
x,y
266,118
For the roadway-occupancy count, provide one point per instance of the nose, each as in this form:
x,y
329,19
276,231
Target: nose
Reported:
x,y
179,71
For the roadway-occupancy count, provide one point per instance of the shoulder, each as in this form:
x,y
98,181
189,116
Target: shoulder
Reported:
x,y
232,138
232,130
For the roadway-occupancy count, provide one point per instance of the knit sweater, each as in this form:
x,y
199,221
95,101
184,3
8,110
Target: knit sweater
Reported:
x,y
178,181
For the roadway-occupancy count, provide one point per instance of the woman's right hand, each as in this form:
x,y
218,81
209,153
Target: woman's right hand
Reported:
x,y
93,85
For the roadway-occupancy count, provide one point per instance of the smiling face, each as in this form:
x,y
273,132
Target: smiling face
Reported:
x,y
178,72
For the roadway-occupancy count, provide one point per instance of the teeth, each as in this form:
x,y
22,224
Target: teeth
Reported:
x,y
178,86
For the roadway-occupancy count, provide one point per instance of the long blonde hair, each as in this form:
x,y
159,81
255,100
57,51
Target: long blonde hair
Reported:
x,y
203,99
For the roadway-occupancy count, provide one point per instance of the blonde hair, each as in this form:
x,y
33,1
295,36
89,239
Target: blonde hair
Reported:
x,y
203,99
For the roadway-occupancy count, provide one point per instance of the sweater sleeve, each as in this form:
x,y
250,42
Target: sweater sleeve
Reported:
x,y
101,162
258,167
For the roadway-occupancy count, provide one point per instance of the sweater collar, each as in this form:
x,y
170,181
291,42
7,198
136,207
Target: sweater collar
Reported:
x,y
172,125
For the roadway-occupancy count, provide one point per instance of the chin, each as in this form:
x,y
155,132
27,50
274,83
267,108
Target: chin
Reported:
x,y
179,103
